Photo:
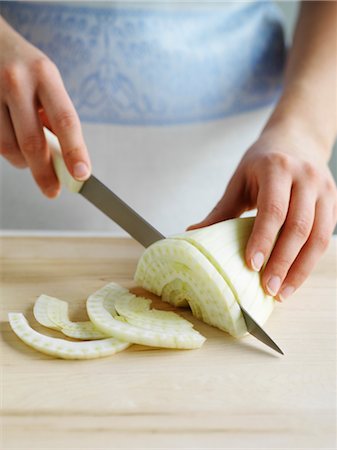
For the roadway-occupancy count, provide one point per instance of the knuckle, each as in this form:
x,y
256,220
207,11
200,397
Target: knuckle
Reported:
x,y
296,279
72,153
66,120
262,240
43,67
8,148
279,159
300,228
11,152
330,187
310,171
32,145
322,241
44,181
20,163
276,210
11,78
280,266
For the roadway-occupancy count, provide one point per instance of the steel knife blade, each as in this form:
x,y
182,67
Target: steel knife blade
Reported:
x,y
121,213
255,330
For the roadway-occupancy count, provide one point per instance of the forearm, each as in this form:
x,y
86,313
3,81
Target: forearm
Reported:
x,y
309,99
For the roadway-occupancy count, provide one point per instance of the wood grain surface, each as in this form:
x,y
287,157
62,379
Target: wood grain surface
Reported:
x,y
228,394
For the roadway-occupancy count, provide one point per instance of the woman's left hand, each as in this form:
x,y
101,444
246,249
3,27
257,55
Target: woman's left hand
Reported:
x,y
286,177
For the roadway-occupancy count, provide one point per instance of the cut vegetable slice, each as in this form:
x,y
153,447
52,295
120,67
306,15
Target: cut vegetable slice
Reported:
x,y
41,310
206,268
136,325
53,313
60,347
136,311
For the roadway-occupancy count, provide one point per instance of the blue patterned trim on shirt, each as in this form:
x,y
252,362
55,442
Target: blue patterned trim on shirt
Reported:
x,y
153,66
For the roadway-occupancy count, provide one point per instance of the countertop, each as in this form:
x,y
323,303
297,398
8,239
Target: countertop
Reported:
x,y
228,394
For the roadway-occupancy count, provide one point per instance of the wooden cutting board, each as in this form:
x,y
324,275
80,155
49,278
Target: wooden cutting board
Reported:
x,y
228,394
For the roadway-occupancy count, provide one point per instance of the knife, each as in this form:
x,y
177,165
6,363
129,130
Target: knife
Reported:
x,y
117,210
104,199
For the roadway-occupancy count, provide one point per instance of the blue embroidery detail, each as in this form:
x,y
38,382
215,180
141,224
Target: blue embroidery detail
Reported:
x,y
157,66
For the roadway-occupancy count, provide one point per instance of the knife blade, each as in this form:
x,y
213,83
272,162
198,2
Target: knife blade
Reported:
x,y
103,198
121,213
255,330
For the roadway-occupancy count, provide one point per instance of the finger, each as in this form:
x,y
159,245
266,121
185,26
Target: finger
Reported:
x,y
65,123
9,147
272,205
312,250
44,119
32,142
293,236
231,205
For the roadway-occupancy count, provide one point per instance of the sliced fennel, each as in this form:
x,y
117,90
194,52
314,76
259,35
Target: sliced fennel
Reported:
x,y
200,284
41,310
206,269
202,268
136,311
224,245
60,347
137,324
53,313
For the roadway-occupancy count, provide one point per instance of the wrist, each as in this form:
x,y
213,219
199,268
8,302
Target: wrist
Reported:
x,y
298,112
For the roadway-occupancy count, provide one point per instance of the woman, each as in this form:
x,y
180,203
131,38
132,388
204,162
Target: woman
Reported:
x,y
284,174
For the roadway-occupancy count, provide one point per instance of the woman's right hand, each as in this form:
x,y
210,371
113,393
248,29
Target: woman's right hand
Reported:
x,y
32,95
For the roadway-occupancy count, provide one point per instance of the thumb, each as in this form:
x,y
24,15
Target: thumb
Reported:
x,y
231,205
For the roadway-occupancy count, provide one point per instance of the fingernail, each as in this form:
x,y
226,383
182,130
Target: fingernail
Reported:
x,y
81,171
257,261
286,292
273,285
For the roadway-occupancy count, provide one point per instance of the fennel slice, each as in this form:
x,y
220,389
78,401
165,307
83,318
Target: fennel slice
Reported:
x,y
130,309
113,297
62,348
53,313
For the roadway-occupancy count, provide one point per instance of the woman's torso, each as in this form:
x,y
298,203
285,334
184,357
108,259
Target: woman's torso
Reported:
x,y
158,89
